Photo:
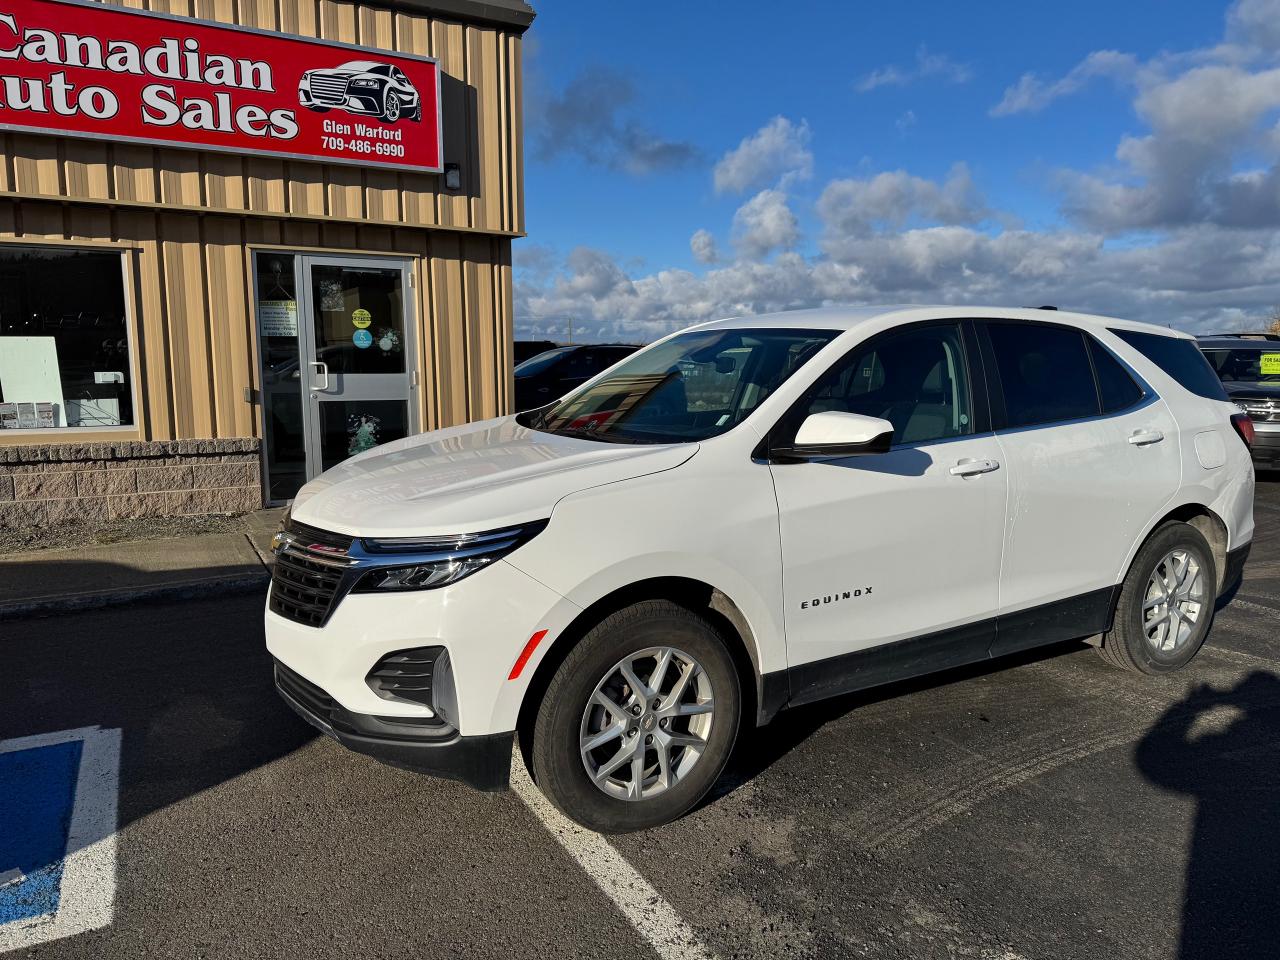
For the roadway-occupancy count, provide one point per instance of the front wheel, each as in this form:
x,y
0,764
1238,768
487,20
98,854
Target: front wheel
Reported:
x,y
391,108
639,721
1166,603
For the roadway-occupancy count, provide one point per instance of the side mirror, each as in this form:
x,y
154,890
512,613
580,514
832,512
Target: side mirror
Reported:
x,y
832,434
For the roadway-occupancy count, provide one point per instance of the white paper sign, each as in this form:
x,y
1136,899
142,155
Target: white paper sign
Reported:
x,y
278,318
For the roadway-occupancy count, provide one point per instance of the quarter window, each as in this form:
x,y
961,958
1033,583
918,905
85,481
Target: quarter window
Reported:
x,y
1045,374
1180,359
914,378
64,344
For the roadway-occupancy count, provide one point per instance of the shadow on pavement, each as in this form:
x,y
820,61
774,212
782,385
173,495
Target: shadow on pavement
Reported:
x,y
188,683
1229,767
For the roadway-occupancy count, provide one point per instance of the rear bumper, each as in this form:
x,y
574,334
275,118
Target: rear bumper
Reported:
x,y
1234,572
1266,446
423,745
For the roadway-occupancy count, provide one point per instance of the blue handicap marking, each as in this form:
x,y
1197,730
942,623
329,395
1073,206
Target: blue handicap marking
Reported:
x,y
37,793
58,802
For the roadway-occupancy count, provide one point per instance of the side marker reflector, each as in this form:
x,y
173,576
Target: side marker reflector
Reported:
x,y
525,654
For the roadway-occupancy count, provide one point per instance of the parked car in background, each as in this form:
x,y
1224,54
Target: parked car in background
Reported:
x,y
751,515
1249,367
523,350
550,375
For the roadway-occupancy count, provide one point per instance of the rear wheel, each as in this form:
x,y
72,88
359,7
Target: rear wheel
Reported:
x,y
638,722
1166,603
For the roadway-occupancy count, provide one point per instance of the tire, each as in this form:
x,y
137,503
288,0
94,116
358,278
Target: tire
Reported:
x,y
387,110
1128,644
569,713
416,116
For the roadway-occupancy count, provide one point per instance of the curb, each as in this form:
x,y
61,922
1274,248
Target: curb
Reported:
x,y
173,590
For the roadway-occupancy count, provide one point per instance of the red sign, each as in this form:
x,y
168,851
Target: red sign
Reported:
x,y
84,69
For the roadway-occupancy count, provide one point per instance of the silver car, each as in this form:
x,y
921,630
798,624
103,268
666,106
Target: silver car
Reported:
x,y
363,87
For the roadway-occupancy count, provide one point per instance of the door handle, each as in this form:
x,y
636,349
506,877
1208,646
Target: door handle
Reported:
x,y
971,468
318,366
1140,438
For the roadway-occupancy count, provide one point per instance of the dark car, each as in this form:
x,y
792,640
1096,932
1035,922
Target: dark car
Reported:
x,y
361,87
550,375
1249,367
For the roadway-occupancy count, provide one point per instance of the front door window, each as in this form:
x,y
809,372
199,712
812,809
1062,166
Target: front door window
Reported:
x,y
337,361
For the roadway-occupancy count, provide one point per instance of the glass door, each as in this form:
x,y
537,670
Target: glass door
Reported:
x,y
338,367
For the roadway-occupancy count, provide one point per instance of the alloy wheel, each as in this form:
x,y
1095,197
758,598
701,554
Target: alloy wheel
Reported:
x,y
646,723
1174,601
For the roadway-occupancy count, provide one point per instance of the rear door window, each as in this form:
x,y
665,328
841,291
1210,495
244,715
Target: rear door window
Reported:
x,y
1118,390
1180,359
1045,373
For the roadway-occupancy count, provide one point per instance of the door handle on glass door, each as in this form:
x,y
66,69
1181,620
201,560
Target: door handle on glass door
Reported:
x,y
1140,438
322,369
971,468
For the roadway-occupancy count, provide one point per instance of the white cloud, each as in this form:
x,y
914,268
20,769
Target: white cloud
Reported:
x,y
1255,23
703,246
906,121
854,208
927,66
778,151
764,224
1032,93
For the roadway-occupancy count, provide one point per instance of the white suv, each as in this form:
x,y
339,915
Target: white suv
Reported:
x,y
750,515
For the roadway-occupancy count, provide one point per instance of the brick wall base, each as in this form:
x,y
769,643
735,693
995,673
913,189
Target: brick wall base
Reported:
x,y
47,484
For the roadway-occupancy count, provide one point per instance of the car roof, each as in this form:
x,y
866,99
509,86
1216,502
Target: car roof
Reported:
x,y
848,318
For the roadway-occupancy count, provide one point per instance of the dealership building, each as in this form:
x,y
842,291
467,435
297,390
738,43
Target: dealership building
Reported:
x,y
237,250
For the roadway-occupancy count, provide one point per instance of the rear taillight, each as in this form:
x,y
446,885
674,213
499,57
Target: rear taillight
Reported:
x,y
1244,427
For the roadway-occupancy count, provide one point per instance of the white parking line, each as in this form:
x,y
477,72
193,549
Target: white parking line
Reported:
x,y
88,888
652,916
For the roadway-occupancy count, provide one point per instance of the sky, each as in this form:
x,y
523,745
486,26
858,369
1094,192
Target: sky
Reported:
x,y
687,161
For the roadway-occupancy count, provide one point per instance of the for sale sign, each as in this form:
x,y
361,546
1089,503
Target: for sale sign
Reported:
x,y
84,69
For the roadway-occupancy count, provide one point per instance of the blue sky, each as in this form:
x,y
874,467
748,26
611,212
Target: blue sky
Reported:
x,y
684,164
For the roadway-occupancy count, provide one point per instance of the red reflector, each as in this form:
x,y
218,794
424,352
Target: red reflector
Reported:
x,y
525,654
1244,427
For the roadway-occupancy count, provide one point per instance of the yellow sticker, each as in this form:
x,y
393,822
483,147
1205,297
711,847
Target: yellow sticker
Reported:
x,y
362,318
1270,363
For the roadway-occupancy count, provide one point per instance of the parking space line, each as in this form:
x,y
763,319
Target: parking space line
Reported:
x,y
651,914
87,885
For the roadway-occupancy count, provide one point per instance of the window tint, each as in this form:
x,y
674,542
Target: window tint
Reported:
x,y
1180,359
1044,373
915,378
1117,388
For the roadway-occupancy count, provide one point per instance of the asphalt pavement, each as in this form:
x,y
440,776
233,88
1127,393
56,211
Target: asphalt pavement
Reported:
x,y
1047,806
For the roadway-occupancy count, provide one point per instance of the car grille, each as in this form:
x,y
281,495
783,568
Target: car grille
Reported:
x,y
1261,411
306,576
405,675
330,90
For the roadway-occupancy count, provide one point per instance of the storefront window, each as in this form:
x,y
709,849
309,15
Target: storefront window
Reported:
x,y
64,344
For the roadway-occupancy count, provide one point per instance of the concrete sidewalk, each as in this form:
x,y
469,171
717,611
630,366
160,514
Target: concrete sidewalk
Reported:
x,y
55,581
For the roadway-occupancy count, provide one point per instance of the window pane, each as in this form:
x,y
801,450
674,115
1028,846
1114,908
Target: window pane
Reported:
x,y
64,345
359,319
1180,359
694,386
1044,372
284,442
1118,389
915,379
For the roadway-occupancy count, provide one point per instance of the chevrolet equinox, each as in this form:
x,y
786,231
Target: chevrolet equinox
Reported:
x,y
750,515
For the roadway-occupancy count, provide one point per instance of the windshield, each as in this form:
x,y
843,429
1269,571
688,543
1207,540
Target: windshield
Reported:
x,y
1246,366
694,386
537,364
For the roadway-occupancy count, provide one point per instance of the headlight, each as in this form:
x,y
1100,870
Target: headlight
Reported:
x,y
364,82
430,562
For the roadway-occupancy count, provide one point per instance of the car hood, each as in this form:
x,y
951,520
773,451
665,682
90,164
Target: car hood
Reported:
x,y
1244,388
339,72
467,479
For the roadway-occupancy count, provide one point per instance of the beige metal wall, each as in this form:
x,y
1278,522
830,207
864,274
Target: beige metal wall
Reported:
x,y
191,310
481,102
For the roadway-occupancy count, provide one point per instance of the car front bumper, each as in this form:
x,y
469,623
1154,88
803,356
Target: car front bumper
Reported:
x,y
1266,445
483,762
